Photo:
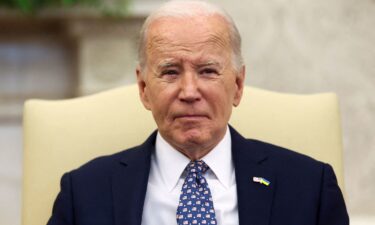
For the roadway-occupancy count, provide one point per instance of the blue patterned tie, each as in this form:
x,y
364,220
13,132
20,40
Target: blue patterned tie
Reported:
x,y
195,205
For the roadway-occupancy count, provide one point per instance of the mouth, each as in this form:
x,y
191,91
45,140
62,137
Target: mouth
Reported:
x,y
191,116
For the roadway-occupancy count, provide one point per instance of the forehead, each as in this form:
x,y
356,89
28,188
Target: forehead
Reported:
x,y
195,35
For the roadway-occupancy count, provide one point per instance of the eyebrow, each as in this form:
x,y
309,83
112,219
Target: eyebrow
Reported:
x,y
166,64
172,63
209,63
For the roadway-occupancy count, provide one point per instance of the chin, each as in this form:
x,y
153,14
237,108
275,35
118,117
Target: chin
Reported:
x,y
195,137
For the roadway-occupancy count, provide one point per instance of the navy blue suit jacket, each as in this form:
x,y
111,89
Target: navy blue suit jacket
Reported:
x,y
111,190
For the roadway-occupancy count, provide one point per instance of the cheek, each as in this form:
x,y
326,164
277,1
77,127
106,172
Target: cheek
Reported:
x,y
221,101
216,102
231,89
161,102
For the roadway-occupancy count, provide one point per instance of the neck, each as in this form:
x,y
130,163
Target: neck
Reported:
x,y
195,151
195,155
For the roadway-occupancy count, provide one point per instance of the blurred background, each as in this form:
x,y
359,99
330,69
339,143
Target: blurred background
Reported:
x,y
54,49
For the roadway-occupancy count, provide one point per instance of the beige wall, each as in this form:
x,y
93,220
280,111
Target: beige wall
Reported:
x,y
10,174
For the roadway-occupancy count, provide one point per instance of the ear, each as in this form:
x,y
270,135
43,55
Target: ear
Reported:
x,y
142,87
240,80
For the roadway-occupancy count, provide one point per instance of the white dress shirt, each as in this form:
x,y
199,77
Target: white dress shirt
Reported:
x,y
167,176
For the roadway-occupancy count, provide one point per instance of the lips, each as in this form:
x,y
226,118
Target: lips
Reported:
x,y
191,116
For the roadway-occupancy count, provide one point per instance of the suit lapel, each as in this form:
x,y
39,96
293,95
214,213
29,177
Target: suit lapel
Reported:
x,y
129,183
254,199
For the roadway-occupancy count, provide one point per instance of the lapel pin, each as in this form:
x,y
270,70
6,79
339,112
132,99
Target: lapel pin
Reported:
x,y
261,180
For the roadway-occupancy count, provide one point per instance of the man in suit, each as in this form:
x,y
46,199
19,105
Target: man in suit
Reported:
x,y
196,169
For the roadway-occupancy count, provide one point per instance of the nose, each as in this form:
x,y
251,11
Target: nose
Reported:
x,y
189,89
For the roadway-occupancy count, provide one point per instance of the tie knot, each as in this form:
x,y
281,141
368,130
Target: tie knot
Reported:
x,y
197,166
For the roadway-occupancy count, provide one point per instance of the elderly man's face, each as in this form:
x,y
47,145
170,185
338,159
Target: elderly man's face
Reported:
x,y
189,81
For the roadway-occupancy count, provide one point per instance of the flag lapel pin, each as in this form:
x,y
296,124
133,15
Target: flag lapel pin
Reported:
x,y
261,180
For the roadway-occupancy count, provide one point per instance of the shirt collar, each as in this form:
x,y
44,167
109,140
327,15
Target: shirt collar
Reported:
x,y
171,163
220,161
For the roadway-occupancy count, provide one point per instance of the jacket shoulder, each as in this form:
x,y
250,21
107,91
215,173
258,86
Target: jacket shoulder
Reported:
x,y
106,164
281,155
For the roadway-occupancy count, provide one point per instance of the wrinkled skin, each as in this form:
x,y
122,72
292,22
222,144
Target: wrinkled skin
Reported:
x,y
189,81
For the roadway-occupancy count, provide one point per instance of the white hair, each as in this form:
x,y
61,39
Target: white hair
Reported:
x,y
188,9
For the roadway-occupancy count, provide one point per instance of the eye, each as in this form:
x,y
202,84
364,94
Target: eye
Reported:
x,y
169,72
208,71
